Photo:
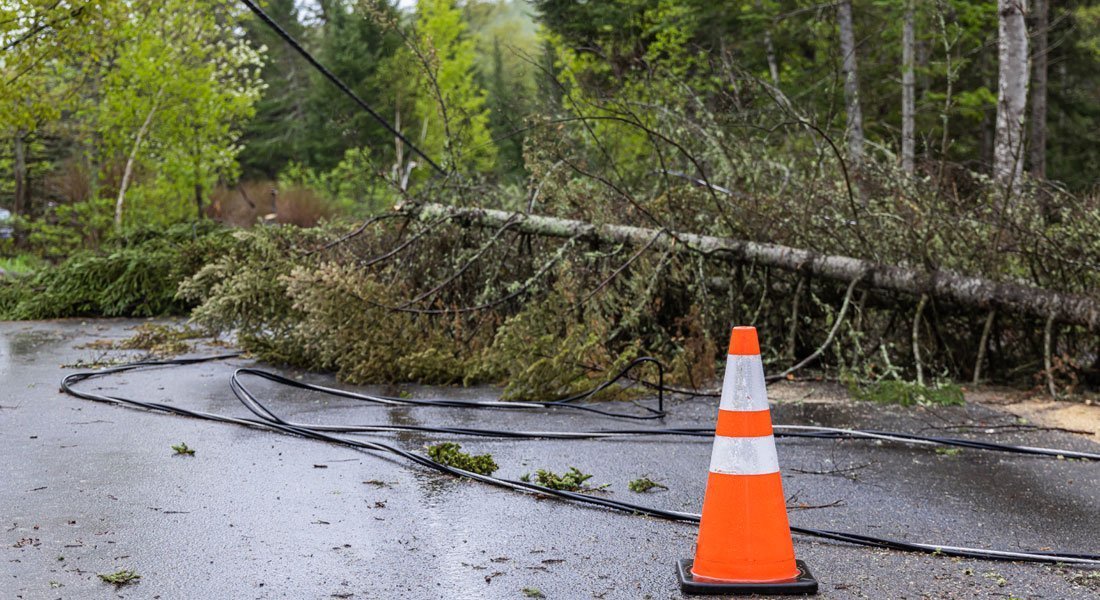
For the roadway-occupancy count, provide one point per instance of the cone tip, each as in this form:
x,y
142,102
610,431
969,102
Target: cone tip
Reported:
x,y
743,341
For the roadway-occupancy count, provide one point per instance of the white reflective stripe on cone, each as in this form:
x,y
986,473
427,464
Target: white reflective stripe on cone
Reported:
x,y
743,385
744,456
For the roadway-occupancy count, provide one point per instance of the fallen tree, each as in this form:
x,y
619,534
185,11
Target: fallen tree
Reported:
x,y
977,292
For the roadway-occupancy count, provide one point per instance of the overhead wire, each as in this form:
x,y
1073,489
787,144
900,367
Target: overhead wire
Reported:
x,y
339,83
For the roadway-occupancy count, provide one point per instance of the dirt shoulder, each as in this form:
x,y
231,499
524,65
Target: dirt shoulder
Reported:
x,y
1078,416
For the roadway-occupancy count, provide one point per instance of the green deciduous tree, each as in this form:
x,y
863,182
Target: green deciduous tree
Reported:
x,y
450,105
178,89
159,88
49,52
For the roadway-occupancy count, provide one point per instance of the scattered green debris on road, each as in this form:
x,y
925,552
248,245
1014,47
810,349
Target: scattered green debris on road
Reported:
x,y
572,481
182,449
120,578
157,339
162,340
644,485
450,454
1090,580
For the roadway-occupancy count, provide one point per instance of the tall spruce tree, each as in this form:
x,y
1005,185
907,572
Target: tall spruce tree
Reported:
x,y
278,133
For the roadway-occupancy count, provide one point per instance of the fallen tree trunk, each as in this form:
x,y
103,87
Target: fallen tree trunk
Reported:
x,y
965,290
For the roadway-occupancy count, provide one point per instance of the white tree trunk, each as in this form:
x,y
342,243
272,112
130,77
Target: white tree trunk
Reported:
x,y
851,83
773,65
19,168
1008,144
769,49
128,172
1038,138
908,87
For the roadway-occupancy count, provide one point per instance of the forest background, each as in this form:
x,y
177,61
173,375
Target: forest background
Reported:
x,y
178,157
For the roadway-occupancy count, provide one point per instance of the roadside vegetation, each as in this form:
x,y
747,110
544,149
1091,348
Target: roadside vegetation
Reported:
x,y
247,193
907,393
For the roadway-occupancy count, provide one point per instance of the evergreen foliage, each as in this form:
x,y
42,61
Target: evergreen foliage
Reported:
x,y
135,274
572,480
451,455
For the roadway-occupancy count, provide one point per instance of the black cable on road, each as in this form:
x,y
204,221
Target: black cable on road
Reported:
x,y
267,420
564,403
792,431
289,39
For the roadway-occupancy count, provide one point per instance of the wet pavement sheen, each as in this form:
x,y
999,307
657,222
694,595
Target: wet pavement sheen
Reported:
x,y
87,488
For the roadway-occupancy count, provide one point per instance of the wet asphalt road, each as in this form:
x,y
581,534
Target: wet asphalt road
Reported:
x,y
87,488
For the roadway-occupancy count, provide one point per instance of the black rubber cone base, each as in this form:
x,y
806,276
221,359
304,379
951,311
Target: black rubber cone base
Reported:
x,y
803,584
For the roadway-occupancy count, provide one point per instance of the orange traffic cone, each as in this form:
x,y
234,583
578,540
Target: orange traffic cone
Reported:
x,y
744,542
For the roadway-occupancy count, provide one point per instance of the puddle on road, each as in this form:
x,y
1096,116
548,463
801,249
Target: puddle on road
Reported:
x,y
824,415
402,415
30,342
436,487
20,347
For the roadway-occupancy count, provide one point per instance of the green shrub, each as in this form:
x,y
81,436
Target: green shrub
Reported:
x,y
65,229
20,264
905,393
11,293
352,187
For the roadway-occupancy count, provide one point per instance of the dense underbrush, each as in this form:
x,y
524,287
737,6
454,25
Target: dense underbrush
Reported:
x,y
406,299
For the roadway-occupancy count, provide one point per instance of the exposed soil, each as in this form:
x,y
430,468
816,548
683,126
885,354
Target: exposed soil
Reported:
x,y
1078,415
1081,416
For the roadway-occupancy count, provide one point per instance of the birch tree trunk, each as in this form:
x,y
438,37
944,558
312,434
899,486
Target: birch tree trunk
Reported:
x,y
19,168
1012,75
1038,138
128,172
773,65
908,87
769,49
851,83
